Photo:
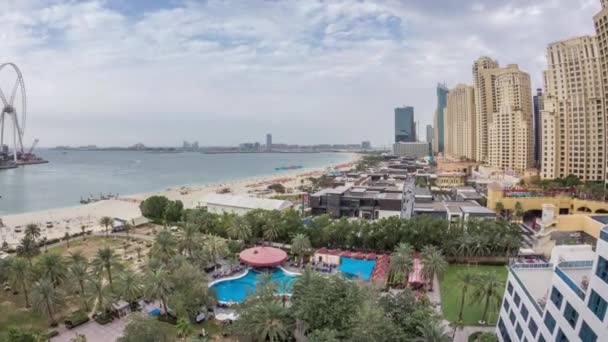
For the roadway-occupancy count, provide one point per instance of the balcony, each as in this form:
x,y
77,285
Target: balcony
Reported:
x,y
575,274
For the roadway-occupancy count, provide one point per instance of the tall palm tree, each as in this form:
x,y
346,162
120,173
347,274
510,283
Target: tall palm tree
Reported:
x,y
53,267
20,275
401,263
99,294
239,229
158,285
271,229
300,245
433,264
28,248
216,247
106,221
432,332
267,321
46,298
77,257
33,231
189,238
79,273
106,260
164,246
466,279
130,286
488,289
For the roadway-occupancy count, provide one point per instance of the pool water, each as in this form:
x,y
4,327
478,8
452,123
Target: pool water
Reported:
x,y
352,268
235,290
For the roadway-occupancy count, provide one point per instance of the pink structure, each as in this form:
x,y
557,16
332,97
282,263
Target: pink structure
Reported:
x,y
261,256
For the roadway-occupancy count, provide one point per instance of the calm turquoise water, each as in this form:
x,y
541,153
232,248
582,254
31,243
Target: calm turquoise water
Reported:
x,y
76,174
236,290
357,268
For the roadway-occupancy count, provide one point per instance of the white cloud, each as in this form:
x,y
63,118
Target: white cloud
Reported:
x,y
312,71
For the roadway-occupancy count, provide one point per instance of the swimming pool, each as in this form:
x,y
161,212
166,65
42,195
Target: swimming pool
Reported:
x,y
357,268
236,289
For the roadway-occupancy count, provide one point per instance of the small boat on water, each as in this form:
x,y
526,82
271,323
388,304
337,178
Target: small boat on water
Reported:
x,y
8,165
290,167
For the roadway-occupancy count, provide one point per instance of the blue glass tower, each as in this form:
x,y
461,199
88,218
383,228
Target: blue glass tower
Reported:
x,y
405,129
442,102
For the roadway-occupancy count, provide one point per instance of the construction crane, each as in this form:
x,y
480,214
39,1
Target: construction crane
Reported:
x,y
29,152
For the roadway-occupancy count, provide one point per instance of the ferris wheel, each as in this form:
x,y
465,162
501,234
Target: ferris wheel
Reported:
x,y
14,106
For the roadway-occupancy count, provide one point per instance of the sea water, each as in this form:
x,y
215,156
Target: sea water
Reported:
x,y
72,175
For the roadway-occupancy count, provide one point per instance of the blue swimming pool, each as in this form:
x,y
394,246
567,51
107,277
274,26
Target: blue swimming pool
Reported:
x,y
235,290
357,268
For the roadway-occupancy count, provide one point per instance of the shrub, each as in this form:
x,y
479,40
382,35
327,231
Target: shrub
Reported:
x,y
104,318
75,319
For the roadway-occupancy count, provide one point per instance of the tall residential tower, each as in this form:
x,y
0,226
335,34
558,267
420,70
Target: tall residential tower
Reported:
x,y
601,31
405,128
483,81
538,106
439,119
459,123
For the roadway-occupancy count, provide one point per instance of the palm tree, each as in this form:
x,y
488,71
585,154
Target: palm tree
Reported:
x,y
466,279
456,325
66,238
216,247
183,328
499,208
267,321
20,274
46,298
129,287
79,272
271,229
158,285
240,229
77,257
401,263
33,231
519,211
188,241
106,260
99,294
300,245
106,221
127,227
53,267
433,264
432,332
28,248
488,288
164,246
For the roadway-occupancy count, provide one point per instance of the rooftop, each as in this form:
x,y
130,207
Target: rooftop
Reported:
x,y
245,202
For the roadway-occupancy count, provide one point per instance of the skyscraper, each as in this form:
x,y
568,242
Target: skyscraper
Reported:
x,y
268,142
573,119
439,119
538,107
429,134
510,145
483,81
459,138
405,128
601,31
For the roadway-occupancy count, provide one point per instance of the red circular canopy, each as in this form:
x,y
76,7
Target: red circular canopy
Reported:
x,y
263,256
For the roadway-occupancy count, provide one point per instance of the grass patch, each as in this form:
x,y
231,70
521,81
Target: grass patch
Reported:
x,y
14,314
451,293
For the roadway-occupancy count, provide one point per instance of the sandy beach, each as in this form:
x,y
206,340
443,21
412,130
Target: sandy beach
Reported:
x,y
71,219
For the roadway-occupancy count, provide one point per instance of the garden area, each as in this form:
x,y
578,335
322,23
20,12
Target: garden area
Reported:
x,y
482,285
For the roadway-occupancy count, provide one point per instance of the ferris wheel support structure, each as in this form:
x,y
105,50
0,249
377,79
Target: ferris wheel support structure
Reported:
x,y
13,111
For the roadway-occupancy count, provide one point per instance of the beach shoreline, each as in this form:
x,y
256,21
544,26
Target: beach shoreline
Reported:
x,y
70,219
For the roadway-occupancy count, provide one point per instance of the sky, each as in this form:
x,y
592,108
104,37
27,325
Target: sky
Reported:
x,y
116,72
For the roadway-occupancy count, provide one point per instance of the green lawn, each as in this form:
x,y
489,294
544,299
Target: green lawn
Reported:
x,y
13,314
451,295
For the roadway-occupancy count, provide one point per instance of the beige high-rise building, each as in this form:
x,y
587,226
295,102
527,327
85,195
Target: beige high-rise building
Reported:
x,y
483,81
459,115
510,143
601,31
573,119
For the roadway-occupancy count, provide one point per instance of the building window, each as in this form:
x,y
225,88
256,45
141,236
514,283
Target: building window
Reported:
x,y
586,334
550,322
512,317
510,288
516,299
570,314
556,297
519,331
524,312
506,305
561,337
503,331
597,304
602,269
541,338
533,327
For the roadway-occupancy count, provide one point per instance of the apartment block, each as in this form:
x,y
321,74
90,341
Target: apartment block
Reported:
x,y
510,137
484,104
459,123
564,299
573,119
601,30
